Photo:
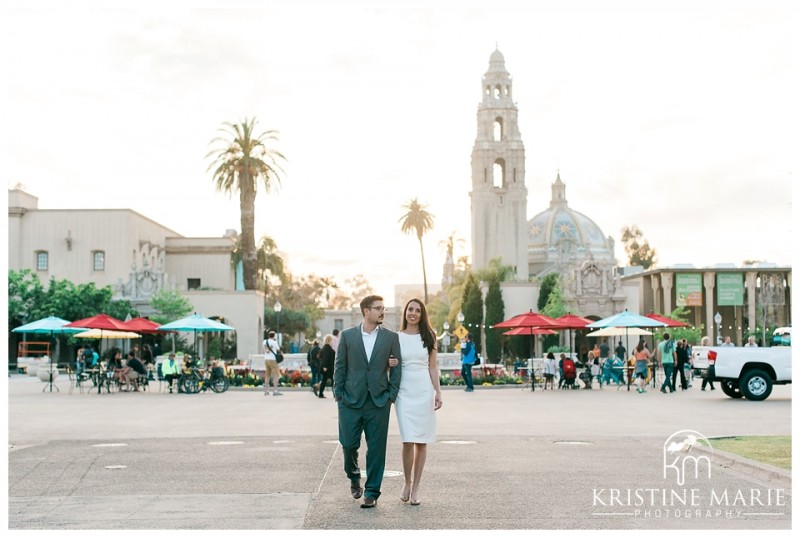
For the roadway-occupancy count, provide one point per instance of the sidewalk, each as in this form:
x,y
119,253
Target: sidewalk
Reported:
x,y
504,459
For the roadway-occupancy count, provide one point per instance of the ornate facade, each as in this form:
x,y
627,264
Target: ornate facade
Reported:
x,y
558,239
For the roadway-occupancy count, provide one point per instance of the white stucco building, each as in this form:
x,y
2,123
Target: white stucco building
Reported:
x,y
136,257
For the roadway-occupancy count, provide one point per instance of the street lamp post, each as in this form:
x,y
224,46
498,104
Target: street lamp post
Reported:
x,y
446,339
278,307
718,321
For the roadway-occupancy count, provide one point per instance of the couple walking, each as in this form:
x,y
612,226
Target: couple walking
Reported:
x,y
374,367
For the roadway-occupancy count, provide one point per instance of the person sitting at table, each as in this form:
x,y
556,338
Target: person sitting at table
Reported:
x,y
137,371
118,366
170,370
217,367
188,364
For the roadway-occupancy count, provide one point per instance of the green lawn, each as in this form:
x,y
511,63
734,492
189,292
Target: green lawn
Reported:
x,y
772,450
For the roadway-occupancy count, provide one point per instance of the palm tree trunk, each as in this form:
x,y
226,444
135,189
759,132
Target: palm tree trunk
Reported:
x,y
424,275
247,203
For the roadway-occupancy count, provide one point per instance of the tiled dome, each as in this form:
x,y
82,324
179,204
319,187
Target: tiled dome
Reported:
x,y
559,225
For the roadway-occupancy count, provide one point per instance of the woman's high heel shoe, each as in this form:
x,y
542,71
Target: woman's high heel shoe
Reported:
x,y
405,494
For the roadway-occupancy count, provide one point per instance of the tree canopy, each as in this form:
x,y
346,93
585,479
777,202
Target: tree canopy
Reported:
x,y
637,248
29,300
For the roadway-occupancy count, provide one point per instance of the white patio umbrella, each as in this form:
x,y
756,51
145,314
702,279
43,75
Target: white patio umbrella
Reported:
x,y
107,334
620,331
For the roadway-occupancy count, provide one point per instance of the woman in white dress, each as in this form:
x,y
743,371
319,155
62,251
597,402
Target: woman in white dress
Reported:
x,y
419,396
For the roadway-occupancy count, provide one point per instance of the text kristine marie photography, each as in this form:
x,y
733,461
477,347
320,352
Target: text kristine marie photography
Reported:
x,y
691,492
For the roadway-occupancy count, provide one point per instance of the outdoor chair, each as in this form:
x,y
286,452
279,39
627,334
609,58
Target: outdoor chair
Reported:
x,y
78,379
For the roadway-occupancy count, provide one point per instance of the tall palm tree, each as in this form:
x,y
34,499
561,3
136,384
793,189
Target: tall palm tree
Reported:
x,y
417,220
242,160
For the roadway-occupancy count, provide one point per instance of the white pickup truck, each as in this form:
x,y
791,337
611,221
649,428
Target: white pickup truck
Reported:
x,y
744,371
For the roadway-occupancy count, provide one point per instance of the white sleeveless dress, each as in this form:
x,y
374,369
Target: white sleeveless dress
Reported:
x,y
414,406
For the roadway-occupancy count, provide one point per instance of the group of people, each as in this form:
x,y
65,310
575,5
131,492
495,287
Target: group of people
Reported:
x,y
373,368
129,372
674,356
321,361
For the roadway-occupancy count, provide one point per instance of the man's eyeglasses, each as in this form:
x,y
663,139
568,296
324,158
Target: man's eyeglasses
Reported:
x,y
378,308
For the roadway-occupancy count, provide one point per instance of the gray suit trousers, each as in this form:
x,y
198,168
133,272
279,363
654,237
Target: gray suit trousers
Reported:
x,y
373,421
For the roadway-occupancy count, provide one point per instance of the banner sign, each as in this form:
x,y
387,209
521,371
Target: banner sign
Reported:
x,y
688,289
730,289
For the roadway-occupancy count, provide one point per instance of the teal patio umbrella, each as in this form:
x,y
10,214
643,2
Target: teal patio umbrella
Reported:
x,y
51,325
626,320
195,323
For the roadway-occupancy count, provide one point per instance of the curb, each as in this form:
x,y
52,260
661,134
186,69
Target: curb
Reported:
x,y
775,476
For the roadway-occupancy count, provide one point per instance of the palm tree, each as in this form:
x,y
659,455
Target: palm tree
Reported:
x,y
417,220
450,243
241,161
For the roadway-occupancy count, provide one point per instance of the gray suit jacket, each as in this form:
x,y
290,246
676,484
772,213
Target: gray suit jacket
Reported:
x,y
354,377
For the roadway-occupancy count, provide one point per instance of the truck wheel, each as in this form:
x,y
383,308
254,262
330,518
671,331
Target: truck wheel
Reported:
x,y
756,385
730,389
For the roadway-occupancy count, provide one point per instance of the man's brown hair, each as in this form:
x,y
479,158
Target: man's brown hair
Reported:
x,y
367,301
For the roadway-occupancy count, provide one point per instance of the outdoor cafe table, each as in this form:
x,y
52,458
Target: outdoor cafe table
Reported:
x,y
100,377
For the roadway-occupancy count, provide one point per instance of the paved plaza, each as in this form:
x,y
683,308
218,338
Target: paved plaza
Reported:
x,y
504,459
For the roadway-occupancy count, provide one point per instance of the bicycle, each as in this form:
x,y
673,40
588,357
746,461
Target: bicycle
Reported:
x,y
200,380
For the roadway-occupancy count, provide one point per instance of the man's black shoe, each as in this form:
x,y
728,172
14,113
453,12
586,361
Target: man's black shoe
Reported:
x,y
356,490
369,503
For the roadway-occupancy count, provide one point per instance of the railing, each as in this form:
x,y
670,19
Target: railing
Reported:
x,y
33,349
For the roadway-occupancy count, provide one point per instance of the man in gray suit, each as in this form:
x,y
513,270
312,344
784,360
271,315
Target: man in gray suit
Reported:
x,y
364,387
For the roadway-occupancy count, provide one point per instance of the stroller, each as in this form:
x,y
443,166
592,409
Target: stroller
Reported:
x,y
586,377
569,374
612,371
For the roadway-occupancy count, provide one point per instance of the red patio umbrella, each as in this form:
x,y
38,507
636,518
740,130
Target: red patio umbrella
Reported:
x,y
530,319
529,322
100,321
664,319
571,321
142,325
523,331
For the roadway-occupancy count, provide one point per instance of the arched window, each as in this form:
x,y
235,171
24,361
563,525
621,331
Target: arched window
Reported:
x,y
499,173
498,129
42,260
497,92
98,260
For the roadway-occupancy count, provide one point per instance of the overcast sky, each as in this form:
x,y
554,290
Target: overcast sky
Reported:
x,y
676,120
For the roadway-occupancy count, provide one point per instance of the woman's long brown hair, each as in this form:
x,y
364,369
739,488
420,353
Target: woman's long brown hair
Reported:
x,y
425,329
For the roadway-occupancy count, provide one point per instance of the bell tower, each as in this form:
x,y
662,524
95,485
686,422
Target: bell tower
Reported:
x,y
499,198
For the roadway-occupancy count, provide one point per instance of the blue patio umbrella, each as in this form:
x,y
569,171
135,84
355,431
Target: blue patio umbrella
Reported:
x,y
626,320
51,325
195,323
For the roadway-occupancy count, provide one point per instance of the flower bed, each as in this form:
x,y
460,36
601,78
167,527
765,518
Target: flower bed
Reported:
x,y
251,378
490,375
